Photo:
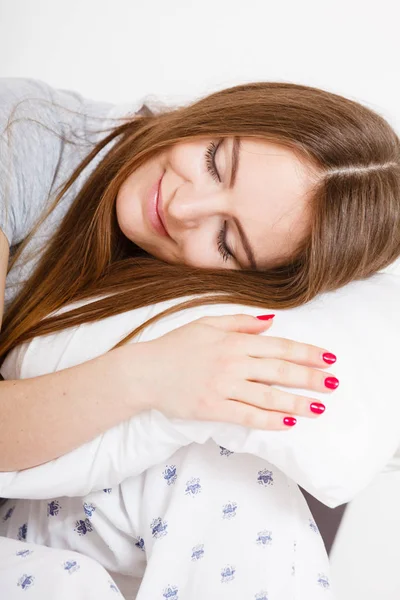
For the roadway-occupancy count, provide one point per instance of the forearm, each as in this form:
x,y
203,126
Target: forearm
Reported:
x,y
44,417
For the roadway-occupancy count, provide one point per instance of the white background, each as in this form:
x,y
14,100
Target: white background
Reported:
x,y
179,50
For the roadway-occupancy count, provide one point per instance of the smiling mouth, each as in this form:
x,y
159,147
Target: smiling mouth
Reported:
x,y
153,215
159,206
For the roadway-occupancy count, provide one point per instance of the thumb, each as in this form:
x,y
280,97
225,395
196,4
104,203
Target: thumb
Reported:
x,y
240,322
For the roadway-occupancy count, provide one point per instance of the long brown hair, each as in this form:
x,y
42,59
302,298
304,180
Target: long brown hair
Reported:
x,y
355,213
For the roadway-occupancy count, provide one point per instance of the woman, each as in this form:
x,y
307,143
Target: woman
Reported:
x,y
306,148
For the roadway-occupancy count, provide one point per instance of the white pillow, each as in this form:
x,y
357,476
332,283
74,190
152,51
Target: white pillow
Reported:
x,y
393,268
333,456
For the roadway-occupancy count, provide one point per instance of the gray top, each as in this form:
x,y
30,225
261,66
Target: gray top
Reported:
x,y
34,161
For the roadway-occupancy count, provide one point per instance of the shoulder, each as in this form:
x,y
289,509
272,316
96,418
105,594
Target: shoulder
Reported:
x,y
36,123
44,134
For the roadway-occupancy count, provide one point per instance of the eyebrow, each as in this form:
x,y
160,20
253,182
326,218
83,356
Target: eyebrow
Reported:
x,y
243,236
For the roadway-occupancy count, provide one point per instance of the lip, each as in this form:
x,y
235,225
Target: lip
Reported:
x,y
159,206
154,208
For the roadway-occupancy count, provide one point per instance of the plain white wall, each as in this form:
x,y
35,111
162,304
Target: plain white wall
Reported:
x,y
179,49
121,50
365,557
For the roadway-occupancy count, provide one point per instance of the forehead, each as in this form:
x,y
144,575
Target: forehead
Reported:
x,y
272,189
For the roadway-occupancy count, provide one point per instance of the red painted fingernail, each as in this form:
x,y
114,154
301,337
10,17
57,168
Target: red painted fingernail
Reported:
x,y
331,382
265,317
317,407
290,421
329,358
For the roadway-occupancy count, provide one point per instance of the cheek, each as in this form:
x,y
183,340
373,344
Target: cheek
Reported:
x,y
126,208
199,250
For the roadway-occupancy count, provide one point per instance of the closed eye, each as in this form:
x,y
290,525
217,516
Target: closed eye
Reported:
x,y
223,248
210,160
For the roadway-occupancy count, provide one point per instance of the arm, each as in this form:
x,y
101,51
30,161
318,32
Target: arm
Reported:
x,y
44,417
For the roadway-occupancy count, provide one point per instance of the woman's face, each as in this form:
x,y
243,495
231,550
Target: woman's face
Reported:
x,y
267,201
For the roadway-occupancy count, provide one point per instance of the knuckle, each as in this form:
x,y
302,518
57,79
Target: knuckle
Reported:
x,y
201,322
300,406
237,319
234,341
227,368
233,387
220,360
269,397
283,370
214,387
291,403
207,406
285,402
315,379
204,406
308,379
226,347
248,419
288,347
231,365
221,353
276,423
269,421
260,419
311,354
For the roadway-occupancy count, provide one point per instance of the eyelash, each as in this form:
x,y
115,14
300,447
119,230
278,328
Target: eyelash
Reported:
x,y
210,164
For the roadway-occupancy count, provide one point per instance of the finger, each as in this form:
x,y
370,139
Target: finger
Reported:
x,y
286,349
285,373
238,323
270,398
246,415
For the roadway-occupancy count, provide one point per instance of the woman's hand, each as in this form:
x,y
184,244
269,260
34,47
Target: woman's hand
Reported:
x,y
216,369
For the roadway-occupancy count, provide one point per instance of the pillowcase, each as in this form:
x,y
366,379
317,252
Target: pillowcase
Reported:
x,y
333,457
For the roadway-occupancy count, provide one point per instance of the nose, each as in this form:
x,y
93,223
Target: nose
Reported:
x,y
191,209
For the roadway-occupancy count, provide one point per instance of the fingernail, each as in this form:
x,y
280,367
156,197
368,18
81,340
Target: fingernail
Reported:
x,y
317,407
265,317
331,382
290,421
329,358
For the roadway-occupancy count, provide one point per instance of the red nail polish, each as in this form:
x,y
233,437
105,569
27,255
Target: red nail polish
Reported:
x,y
265,317
332,383
317,407
329,358
290,421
